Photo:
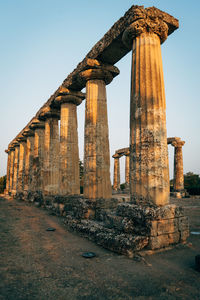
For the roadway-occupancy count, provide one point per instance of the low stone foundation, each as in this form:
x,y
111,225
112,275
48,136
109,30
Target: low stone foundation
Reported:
x,y
117,225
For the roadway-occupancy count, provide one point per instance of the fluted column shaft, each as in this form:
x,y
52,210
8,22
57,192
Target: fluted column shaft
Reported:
x,y
127,169
12,155
8,171
69,155
116,177
16,169
38,160
97,182
28,180
178,166
22,155
149,172
51,156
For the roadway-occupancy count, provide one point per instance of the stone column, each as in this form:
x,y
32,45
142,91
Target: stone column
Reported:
x,y
97,182
116,178
178,166
16,169
36,184
69,180
29,134
51,151
8,171
21,171
12,155
149,171
127,169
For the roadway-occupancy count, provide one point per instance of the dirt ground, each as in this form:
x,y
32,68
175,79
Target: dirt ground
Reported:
x,y
39,264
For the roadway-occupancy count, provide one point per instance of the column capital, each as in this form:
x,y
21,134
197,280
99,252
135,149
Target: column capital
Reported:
x,y
15,144
28,132
69,96
127,153
150,21
178,144
94,70
7,150
116,155
35,124
48,112
21,138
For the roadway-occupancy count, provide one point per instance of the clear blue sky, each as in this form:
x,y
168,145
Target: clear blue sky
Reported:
x,y
42,41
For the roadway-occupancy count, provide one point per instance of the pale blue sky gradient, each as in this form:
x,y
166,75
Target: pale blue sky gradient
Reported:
x,y
42,41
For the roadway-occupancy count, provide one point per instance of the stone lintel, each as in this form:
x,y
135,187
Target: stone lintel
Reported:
x,y
48,112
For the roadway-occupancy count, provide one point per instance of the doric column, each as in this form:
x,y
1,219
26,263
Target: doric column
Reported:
x,y
97,182
22,155
38,158
16,168
8,171
69,178
149,172
51,151
116,177
28,174
178,166
127,169
12,156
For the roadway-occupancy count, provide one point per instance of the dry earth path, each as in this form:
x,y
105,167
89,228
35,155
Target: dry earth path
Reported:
x,y
37,264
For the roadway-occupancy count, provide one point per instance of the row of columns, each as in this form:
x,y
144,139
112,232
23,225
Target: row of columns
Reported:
x,y
55,162
46,160
178,180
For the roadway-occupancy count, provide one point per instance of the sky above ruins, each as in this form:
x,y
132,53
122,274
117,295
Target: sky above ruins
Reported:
x,y
42,41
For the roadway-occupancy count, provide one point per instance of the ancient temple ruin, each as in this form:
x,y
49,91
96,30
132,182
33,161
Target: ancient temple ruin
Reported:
x,y
43,164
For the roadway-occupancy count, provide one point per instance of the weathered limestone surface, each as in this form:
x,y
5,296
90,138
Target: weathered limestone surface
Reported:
x,y
8,171
149,172
127,169
69,183
51,152
178,166
16,169
116,179
12,155
38,158
28,173
96,148
21,172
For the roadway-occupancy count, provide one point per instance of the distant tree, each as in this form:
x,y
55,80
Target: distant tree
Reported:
x,y
2,183
122,186
192,183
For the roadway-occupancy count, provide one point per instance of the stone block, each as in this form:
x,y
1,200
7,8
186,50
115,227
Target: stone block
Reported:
x,y
167,226
183,224
164,240
184,235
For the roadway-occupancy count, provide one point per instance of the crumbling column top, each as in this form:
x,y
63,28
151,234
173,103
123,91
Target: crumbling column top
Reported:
x,y
28,132
48,112
35,124
177,144
68,96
